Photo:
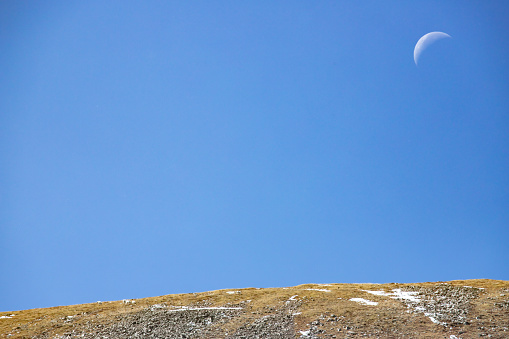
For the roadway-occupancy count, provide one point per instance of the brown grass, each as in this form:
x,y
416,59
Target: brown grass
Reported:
x,y
29,323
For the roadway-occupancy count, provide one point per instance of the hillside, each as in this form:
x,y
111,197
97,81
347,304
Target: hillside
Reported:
x,y
454,309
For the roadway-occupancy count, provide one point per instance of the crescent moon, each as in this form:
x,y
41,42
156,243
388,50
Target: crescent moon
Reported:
x,y
425,41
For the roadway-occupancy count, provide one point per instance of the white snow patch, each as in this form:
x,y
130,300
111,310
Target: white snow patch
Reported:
x,y
364,301
397,293
185,308
128,301
297,313
454,337
382,293
430,316
410,296
233,292
306,333
293,297
317,289
5,317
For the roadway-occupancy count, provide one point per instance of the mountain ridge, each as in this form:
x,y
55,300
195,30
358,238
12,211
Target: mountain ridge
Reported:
x,y
451,309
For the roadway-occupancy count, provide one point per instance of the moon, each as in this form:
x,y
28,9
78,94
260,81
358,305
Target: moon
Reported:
x,y
425,41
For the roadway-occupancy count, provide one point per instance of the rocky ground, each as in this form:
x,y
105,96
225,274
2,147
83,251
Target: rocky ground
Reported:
x,y
456,309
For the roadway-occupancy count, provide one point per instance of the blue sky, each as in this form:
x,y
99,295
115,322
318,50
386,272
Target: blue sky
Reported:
x,y
157,147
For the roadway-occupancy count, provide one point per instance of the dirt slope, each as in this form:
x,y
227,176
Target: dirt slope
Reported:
x,y
454,309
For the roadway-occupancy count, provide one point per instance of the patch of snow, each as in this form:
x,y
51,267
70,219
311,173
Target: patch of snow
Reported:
x,y
128,301
5,317
364,301
397,293
233,292
410,296
381,293
297,313
157,306
479,288
185,308
317,289
305,333
454,337
293,297
430,316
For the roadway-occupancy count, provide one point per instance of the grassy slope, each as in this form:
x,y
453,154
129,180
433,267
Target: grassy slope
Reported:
x,y
312,305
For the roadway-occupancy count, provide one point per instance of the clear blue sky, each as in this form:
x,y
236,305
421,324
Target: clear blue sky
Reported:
x,y
157,147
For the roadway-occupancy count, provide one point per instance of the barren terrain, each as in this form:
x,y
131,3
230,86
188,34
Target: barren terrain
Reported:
x,y
454,309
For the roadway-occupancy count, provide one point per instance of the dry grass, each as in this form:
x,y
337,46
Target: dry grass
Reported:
x,y
312,304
